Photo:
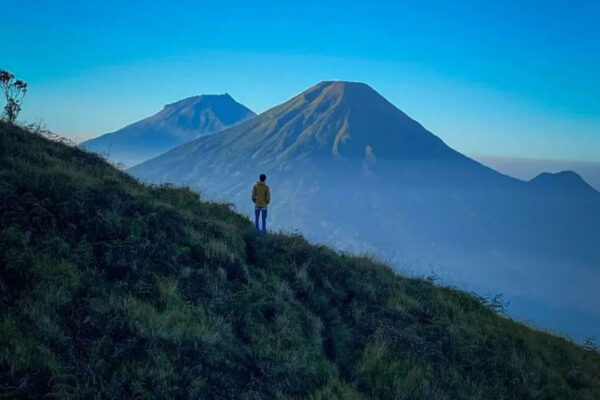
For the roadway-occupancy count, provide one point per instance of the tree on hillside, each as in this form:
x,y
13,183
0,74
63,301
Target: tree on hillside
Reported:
x,y
14,92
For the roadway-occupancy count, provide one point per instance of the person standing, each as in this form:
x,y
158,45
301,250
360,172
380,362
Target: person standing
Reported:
x,y
261,197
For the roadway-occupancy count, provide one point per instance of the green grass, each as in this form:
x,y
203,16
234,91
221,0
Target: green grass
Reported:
x,y
113,289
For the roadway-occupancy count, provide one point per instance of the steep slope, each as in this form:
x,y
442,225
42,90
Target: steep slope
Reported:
x,y
349,169
175,124
112,289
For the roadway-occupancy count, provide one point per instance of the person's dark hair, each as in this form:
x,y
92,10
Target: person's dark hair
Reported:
x,y
262,177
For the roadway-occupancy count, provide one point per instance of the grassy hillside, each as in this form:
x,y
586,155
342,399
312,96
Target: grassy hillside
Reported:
x,y
113,289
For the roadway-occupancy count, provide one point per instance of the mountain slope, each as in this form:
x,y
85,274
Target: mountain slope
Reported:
x,y
349,169
112,289
176,124
346,119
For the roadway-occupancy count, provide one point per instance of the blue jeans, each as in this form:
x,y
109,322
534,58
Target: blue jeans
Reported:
x,y
257,214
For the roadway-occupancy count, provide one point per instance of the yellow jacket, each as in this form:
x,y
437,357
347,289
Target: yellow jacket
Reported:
x,y
261,195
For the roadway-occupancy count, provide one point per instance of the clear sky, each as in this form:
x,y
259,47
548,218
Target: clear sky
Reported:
x,y
500,78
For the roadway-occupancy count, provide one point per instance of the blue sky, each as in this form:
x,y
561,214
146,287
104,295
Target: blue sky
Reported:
x,y
508,78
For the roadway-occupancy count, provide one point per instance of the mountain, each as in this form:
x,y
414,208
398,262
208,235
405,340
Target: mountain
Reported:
x,y
343,119
526,169
175,124
349,169
565,181
113,289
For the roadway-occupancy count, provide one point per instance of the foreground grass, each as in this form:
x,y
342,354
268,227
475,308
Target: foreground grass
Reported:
x,y
113,289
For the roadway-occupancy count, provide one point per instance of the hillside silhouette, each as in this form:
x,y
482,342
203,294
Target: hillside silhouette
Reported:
x,y
114,289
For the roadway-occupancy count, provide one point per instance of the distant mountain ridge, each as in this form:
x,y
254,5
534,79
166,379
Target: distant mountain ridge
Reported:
x,y
333,118
566,181
349,169
529,168
175,124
